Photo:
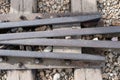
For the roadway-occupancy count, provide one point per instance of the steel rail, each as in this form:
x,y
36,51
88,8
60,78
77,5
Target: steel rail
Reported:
x,y
50,21
64,42
60,33
50,55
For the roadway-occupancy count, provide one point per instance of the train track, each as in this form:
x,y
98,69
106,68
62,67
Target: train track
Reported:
x,y
35,41
40,38
31,38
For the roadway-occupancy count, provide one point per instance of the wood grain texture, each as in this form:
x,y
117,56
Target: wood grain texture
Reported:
x,y
20,75
87,74
79,74
93,74
75,7
21,6
89,6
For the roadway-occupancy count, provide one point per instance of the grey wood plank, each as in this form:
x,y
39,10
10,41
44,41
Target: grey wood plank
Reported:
x,y
76,5
20,75
21,6
89,6
87,74
79,74
97,74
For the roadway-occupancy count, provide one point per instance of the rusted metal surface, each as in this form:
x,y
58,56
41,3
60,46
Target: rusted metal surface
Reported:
x,y
33,54
60,33
66,43
50,21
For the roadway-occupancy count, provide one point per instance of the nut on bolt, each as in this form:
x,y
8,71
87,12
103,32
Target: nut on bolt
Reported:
x,y
38,17
3,59
67,62
37,61
23,17
20,64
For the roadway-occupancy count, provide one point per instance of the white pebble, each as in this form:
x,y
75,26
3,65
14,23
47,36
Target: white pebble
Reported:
x,y
48,49
115,39
56,76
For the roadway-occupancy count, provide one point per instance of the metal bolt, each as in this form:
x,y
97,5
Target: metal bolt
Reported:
x,y
37,61
5,21
19,64
38,17
67,62
23,17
